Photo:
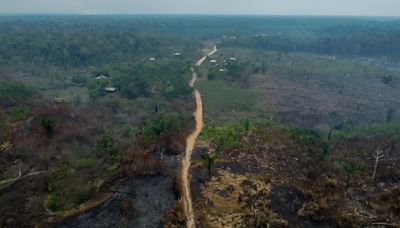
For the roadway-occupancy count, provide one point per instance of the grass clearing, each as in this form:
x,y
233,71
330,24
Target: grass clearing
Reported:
x,y
222,101
385,129
300,63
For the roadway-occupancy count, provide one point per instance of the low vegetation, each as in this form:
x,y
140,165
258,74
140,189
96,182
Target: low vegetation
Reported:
x,y
223,102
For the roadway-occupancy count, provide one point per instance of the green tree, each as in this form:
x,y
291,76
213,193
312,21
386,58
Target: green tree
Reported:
x,y
211,76
106,144
247,125
350,166
209,160
48,123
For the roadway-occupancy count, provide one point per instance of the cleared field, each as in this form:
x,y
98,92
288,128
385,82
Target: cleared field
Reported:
x,y
308,90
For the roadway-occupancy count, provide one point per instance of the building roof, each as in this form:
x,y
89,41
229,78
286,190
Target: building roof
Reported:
x,y
110,89
101,77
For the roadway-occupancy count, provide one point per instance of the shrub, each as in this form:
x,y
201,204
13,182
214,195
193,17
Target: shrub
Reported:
x,y
83,194
350,166
162,124
304,139
84,163
228,136
52,183
390,115
106,144
65,169
79,79
96,89
53,202
48,123
211,76
77,100
140,162
16,89
387,79
20,113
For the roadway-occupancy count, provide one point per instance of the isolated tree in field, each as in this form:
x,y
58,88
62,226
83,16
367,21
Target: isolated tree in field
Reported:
x,y
247,125
350,167
395,138
211,76
387,79
390,114
209,160
106,144
327,143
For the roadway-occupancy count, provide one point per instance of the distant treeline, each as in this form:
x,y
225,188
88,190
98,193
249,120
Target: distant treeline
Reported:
x,y
336,36
80,41
365,41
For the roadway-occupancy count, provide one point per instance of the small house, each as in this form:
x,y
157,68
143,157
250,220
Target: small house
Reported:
x,y
233,59
177,54
152,59
110,89
101,77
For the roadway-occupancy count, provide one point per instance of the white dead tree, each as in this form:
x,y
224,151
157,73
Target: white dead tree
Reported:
x,y
378,155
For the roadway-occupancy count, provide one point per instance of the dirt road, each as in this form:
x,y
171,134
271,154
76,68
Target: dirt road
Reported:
x,y
190,143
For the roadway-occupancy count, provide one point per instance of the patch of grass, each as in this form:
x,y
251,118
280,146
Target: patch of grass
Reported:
x,y
385,129
19,113
69,197
300,63
85,163
229,135
222,101
69,94
304,139
16,89
53,202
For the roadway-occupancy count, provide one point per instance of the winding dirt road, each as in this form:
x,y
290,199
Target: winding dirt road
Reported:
x,y
190,143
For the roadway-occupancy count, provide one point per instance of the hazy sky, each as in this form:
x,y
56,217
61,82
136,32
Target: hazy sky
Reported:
x,y
264,7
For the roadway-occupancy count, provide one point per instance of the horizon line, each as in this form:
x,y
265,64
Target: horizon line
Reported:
x,y
192,14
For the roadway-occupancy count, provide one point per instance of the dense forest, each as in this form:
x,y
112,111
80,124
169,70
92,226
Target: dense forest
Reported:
x,y
67,41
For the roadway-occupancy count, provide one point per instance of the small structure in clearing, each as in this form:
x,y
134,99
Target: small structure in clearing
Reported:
x,y
110,89
101,77
177,54
152,59
233,59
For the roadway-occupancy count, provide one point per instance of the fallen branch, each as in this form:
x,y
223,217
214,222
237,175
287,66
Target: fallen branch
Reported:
x,y
12,180
385,224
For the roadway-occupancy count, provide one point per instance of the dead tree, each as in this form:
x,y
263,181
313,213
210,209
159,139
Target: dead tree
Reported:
x,y
378,155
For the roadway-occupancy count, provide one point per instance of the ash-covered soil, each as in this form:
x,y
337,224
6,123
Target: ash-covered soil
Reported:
x,y
138,202
310,101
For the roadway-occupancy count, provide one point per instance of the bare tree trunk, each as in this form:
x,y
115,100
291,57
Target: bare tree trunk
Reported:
x,y
378,156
